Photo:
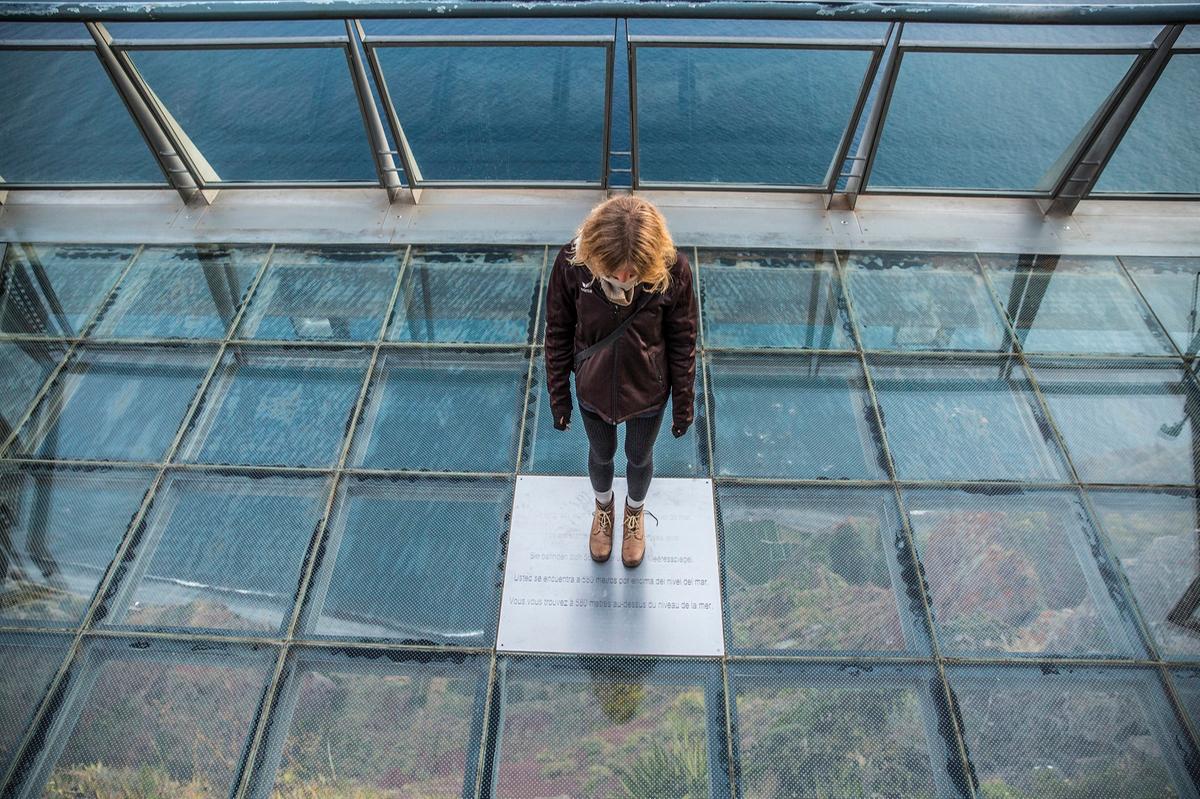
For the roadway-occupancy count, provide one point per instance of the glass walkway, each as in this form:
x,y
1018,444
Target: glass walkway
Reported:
x,y
254,503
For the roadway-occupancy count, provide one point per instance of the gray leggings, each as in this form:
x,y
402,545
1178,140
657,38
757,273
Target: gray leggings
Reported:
x,y
640,435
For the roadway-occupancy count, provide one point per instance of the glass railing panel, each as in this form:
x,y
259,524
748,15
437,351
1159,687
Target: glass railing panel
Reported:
x,y
283,114
743,114
221,551
1160,152
63,122
1014,572
413,558
500,112
988,121
61,530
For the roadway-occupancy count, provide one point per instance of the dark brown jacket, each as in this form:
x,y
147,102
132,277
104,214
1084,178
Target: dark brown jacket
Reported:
x,y
654,357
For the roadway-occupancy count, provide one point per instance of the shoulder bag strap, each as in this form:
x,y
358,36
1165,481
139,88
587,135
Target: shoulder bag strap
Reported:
x,y
608,340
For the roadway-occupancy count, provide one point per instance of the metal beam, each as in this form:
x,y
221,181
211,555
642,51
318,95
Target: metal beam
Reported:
x,y
172,164
860,170
1080,176
826,10
381,153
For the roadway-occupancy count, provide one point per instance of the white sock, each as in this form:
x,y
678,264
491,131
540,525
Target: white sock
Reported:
x,y
635,503
605,497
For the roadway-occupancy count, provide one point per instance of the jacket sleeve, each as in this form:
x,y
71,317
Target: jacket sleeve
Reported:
x,y
679,330
560,338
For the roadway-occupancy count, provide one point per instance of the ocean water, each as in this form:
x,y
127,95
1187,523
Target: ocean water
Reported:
x,y
706,115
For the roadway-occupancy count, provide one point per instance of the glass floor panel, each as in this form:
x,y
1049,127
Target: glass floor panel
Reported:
x,y
1070,732
1172,287
922,301
1014,572
417,712
1074,305
116,404
417,559
61,530
221,551
550,451
1125,421
56,289
323,294
804,416
816,569
277,407
181,292
154,718
313,550
468,424
963,420
1153,535
839,731
486,295
772,299
602,727
30,662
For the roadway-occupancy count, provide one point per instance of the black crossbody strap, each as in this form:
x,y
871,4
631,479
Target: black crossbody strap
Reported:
x,y
587,352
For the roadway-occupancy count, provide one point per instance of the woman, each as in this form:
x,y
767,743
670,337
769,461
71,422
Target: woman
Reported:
x,y
622,263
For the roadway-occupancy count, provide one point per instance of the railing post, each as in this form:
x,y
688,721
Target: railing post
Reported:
x,y
1080,176
172,164
385,165
411,170
864,158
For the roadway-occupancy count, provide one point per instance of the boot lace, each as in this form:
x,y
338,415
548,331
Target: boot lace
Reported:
x,y
635,523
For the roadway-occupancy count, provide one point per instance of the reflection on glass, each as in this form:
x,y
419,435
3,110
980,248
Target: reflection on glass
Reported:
x,y
1074,304
323,293
609,727
54,289
838,732
24,367
379,727
181,292
742,114
155,719
1014,572
1154,537
416,559
64,123
112,404
989,120
443,410
949,419
796,416
59,530
29,664
277,407
1070,732
1172,287
1125,422
550,451
468,295
815,569
922,301
789,298
283,114
1159,152
221,552
468,112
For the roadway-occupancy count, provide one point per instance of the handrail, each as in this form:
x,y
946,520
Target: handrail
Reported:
x,y
817,10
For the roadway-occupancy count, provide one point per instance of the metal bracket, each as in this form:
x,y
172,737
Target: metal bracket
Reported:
x,y
173,166
1107,129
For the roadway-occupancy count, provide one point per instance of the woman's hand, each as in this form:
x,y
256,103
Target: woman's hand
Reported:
x,y
562,423
678,430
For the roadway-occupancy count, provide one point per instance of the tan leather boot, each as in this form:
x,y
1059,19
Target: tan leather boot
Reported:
x,y
633,535
600,540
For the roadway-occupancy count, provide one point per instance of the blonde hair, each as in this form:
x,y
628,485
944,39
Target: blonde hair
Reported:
x,y
626,229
